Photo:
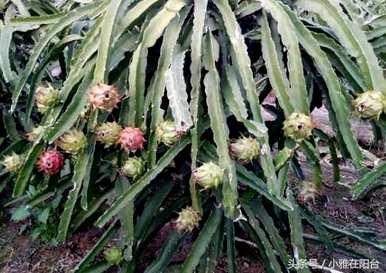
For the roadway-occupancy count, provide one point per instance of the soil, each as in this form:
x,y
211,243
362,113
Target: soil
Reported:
x,y
20,254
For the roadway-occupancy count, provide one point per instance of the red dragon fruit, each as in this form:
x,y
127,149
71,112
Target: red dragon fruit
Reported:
x,y
50,162
104,97
131,139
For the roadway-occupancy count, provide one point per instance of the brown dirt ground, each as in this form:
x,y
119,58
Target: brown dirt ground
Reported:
x,y
335,205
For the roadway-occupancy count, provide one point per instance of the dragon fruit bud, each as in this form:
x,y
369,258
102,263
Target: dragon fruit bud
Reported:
x,y
370,105
46,97
12,162
34,134
187,220
50,162
72,142
104,97
298,126
208,175
113,256
167,133
133,167
131,139
108,133
245,149
308,192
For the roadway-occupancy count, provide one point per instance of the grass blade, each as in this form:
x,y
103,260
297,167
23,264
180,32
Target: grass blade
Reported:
x,y
98,247
368,181
220,129
202,242
168,250
273,263
73,16
106,39
6,33
231,248
339,103
297,90
297,241
158,87
176,92
352,37
275,71
80,170
199,14
26,169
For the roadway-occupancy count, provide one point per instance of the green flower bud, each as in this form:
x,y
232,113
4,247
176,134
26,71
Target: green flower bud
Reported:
x,y
209,175
113,256
370,105
167,133
12,162
245,149
187,220
308,192
133,167
72,142
34,134
46,98
108,133
298,126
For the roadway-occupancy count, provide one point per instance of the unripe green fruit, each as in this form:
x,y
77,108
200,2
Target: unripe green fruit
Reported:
x,y
209,175
298,126
108,133
34,134
370,105
167,133
133,167
72,142
187,220
245,149
113,256
12,162
308,193
46,98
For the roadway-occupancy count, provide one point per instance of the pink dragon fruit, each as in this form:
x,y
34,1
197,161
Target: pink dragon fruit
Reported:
x,y
131,139
50,162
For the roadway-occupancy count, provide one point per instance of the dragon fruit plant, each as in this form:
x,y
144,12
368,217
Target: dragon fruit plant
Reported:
x,y
137,115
